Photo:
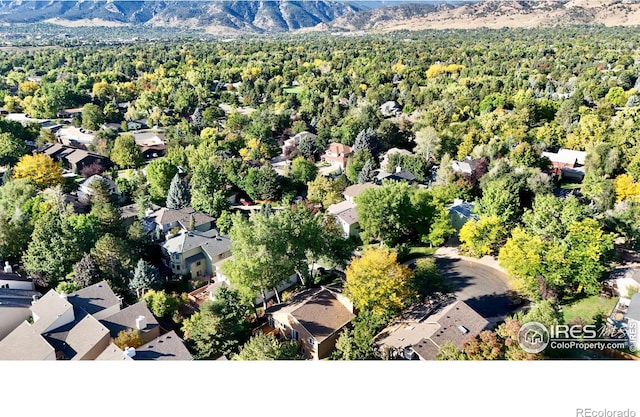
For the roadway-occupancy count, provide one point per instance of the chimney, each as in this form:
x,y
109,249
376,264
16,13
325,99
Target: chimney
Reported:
x,y
130,352
7,267
34,298
398,169
141,322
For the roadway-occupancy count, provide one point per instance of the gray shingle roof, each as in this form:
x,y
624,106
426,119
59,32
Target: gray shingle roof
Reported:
x,y
322,315
126,319
77,338
165,347
209,241
10,297
25,343
94,298
183,216
113,353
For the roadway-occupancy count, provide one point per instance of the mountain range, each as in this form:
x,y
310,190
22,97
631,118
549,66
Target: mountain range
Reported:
x,y
261,16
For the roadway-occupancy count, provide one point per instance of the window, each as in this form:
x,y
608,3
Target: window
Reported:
x,y
312,341
294,334
199,273
178,267
271,321
198,263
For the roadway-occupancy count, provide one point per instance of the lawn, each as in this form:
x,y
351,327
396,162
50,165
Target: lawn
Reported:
x,y
570,186
587,308
292,90
421,251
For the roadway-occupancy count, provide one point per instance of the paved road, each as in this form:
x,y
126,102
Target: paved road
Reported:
x,y
482,287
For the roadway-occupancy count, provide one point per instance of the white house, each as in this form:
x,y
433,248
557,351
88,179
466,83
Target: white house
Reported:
x,y
346,216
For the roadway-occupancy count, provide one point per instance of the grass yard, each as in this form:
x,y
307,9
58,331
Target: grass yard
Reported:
x,y
421,251
292,90
587,308
570,186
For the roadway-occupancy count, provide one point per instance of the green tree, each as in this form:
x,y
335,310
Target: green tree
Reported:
x,y
162,304
129,338
159,173
125,152
263,347
303,170
376,282
178,196
325,191
113,256
209,189
11,149
145,277
261,183
483,236
355,163
92,116
358,343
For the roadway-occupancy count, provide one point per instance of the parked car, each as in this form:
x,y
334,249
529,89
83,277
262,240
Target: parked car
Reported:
x,y
245,202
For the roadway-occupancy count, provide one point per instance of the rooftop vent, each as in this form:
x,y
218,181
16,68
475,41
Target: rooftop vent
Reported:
x,y
141,322
7,267
463,329
130,352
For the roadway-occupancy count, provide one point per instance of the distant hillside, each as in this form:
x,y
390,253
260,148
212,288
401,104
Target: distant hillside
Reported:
x,y
492,14
227,16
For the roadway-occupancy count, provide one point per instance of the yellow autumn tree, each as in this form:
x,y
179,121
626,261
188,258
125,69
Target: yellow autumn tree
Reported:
x,y
626,188
40,169
376,282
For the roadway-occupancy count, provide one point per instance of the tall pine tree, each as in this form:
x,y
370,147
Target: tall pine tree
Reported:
x,y
178,196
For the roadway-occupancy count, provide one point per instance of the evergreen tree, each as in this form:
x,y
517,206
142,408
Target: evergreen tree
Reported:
x,y
145,276
197,120
178,196
366,174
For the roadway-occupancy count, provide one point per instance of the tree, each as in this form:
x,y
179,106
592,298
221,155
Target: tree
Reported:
x,y
441,228
261,183
92,116
366,140
303,170
500,197
324,191
263,347
355,163
86,271
125,152
113,256
450,352
145,277
626,187
427,143
485,346
366,174
358,344
209,189
220,328
129,338
308,147
178,195
394,212
427,278
159,173
11,149
376,282
40,169
483,236
162,304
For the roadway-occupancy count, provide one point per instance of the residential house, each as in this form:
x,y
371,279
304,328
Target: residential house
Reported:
x,y
166,347
567,162
85,188
14,308
51,311
337,155
135,317
465,165
195,253
98,299
129,214
164,219
314,318
114,353
293,142
353,191
74,159
393,151
423,329
26,343
14,281
69,113
346,216
399,175
461,212
153,151
85,338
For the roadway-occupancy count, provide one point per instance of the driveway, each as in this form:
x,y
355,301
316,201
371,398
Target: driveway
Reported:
x,y
482,287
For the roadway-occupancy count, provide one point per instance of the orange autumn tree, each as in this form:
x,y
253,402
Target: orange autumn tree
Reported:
x,y
376,282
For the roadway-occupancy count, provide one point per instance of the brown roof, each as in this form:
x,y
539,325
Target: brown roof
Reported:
x,y
339,148
48,309
357,189
457,323
113,353
78,338
183,216
317,310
